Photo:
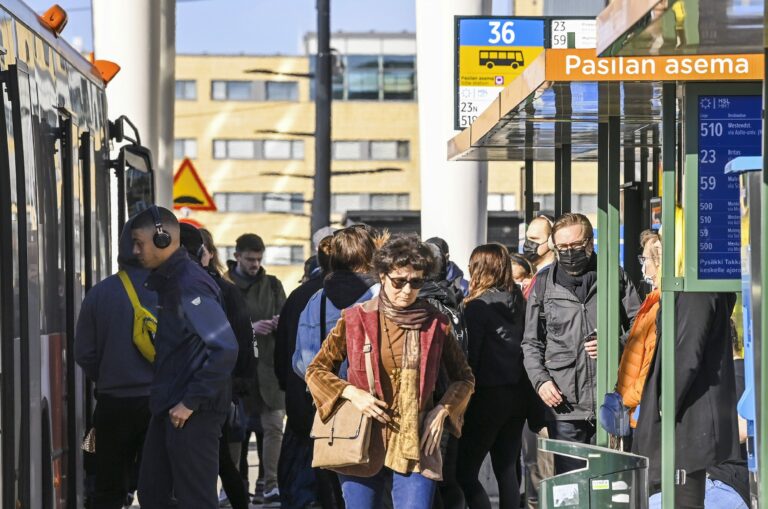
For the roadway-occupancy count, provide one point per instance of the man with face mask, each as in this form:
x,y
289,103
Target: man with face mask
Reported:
x,y
536,248
559,344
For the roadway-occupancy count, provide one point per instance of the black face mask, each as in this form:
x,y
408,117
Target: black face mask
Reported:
x,y
573,261
531,249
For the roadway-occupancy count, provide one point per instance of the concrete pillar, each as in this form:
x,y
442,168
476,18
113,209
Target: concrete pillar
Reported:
x,y
453,194
139,36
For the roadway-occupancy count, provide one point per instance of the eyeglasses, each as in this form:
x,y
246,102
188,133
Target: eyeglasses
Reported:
x,y
400,282
642,259
581,244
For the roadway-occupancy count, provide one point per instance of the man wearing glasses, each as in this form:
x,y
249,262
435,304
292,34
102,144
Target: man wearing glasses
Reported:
x,y
560,340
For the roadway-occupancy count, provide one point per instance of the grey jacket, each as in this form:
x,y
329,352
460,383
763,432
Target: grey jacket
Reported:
x,y
553,342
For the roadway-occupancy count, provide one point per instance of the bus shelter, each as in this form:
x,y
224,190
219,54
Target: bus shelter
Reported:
x,y
692,28
571,105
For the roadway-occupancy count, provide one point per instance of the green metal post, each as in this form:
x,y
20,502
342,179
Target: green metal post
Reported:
x,y
603,378
669,286
762,422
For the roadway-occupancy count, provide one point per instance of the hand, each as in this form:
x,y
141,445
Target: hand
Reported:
x,y
263,327
366,403
433,429
591,348
179,415
275,320
550,394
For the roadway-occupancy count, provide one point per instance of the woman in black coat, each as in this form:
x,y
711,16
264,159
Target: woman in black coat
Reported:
x,y
495,318
706,430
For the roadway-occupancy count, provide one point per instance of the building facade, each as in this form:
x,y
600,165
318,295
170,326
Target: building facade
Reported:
x,y
246,122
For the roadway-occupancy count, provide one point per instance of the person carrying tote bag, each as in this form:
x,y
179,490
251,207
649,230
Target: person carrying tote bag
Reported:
x,y
402,341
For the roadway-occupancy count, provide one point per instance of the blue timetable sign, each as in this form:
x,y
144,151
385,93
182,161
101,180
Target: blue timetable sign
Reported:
x,y
729,126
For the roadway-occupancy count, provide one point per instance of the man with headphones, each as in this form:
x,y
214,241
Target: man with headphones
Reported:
x,y
196,351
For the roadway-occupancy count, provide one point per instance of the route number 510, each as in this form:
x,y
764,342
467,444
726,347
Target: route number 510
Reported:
x,y
501,32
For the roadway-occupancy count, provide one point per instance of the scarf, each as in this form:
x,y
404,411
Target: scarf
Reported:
x,y
405,443
581,284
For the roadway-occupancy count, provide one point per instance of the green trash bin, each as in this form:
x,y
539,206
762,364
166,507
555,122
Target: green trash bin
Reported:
x,y
611,479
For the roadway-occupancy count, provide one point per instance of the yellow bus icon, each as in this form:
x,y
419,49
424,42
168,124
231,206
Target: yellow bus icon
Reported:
x,y
514,59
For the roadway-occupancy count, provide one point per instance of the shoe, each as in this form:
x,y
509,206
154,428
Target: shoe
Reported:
x,y
272,498
258,499
128,502
223,500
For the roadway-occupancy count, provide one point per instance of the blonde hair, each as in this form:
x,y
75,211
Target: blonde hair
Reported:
x,y
211,247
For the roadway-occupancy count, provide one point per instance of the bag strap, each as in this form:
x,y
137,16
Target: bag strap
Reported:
x,y
367,349
130,290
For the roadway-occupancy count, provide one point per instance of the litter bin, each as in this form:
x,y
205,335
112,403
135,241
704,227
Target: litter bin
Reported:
x,y
611,479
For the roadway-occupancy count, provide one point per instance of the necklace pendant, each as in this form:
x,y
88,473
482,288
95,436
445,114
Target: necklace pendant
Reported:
x,y
396,375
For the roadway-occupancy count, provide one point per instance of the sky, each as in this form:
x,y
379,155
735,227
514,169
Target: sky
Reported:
x,y
254,26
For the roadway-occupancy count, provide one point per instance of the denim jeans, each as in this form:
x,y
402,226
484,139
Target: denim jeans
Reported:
x,y
411,491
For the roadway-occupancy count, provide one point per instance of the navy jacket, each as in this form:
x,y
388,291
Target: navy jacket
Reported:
x,y
196,348
104,336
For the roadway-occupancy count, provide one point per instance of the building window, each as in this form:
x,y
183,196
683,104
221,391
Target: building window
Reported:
x,y
363,77
343,202
254,90
285,203
284,255
546,201
258,149
373,78
399,78
185,147
282,91
584,203
186,90
364,150
498,201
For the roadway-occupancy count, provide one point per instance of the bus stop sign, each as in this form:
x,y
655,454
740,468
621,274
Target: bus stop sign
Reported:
x,y
490,53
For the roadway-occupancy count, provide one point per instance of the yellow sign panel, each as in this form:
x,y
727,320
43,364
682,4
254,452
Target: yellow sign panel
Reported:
x,y
189,191
584,65
489,66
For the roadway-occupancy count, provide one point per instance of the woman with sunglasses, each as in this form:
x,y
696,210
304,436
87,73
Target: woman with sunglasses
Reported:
x,y
410,344
495,316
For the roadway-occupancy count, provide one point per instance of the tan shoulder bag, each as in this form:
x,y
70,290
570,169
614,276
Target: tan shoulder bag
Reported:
x,y
343,440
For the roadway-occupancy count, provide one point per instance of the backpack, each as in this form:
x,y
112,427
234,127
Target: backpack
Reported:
x,y
144,322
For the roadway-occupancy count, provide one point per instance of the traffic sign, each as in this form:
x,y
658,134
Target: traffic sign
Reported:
x,y
189,191
490,53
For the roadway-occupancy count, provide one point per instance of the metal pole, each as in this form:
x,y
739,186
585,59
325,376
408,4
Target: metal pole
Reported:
x,y
762,422
603,376
669,286
528,191
321,201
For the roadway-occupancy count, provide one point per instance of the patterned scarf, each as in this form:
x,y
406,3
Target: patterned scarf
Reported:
x,y
405,443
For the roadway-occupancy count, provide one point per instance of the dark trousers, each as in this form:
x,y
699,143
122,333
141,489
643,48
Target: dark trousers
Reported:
x,y
491,425
182,462
581,431
449,494
231,480
121,426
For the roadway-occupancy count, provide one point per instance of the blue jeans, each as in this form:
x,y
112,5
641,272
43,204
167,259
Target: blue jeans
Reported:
x,y
412,491
718,495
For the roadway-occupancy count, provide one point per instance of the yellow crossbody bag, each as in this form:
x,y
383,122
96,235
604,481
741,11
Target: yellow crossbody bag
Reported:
x,y
144,322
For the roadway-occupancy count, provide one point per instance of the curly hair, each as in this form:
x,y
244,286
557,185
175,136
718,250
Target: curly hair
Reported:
x,y
490,266
403,251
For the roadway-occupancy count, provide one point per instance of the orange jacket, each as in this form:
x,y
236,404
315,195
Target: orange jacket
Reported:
x,y
638,353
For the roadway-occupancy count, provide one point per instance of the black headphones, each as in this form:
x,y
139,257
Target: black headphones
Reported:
x,y
161,239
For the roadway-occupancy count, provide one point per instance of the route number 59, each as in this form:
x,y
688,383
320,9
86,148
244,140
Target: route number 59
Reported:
x,y
501,32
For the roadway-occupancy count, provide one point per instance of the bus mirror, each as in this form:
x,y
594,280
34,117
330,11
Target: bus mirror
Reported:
x,y
135,157
136,176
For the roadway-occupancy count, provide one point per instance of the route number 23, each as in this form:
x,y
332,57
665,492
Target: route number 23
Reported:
x,y
501,32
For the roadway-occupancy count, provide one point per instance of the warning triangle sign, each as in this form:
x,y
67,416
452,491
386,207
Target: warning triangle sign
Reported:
x,y
189,191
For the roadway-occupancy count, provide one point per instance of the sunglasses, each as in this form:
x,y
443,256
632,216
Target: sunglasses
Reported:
x,y
400,282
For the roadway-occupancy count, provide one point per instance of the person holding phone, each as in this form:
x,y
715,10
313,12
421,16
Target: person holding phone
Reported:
x,y
559,343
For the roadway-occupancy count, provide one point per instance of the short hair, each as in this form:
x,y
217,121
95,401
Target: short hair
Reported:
x,y
324,253
191,240
490,266
439,242
402,251
647,236
352,249
572,219
145,220
544,220
249,242
523,262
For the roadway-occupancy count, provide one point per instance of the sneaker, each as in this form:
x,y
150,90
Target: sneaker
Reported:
x,y
258,499
272,498
223,500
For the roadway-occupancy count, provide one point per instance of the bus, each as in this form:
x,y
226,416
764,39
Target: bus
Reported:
x,y
57,212
513,59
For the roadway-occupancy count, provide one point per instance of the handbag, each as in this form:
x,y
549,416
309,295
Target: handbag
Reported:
x,y
614,416
343,440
